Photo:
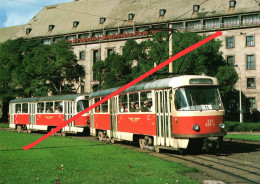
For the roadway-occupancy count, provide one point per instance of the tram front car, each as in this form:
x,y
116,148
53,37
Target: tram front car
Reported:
x,y
198,112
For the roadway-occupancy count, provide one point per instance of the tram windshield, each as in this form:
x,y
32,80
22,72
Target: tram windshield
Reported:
x,y
82,104
198,98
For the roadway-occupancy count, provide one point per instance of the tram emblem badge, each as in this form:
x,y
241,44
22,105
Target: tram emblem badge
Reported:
x,y
134,120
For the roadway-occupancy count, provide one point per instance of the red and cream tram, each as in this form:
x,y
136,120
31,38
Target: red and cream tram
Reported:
x,y
178,113
45,113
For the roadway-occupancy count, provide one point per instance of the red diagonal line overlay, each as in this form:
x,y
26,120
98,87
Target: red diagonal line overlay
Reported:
x,y
173,58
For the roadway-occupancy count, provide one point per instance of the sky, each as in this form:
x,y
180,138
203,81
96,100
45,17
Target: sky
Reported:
x,y
18,12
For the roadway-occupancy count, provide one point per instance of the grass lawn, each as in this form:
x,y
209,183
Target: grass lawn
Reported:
x,y
67,160
4,125
244,137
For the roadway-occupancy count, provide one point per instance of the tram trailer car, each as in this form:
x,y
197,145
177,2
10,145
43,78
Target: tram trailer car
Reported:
x,y
178,113
46,113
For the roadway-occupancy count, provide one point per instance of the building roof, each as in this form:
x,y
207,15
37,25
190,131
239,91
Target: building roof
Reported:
x,y
8,32
88,13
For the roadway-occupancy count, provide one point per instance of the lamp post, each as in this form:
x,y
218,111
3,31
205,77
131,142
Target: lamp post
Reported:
x,y
240,95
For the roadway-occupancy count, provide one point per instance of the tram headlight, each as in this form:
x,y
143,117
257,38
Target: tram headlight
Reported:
x,y
222,125
196,127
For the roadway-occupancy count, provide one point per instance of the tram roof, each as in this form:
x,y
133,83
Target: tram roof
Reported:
x,y
172,82
47,98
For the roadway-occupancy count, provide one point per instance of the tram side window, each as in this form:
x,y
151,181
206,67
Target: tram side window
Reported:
x,y
58,107
40,107
146,101
49,107
123,103
25,107
180,100
82,104
97,109
104,107
18,108
134,101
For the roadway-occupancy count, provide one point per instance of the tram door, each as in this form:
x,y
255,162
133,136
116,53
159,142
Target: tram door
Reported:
x,y
69,112
12,110
113,116
163,117
92,127
32,116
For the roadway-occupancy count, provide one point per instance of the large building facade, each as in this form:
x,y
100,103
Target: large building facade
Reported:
x,y
96,28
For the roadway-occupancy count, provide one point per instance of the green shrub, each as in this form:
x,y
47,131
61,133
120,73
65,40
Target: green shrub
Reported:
x,y
230,126
242,127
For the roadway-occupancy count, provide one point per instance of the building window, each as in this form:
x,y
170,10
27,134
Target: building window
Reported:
x,y
250,19
211,23
250,83
196,8
162,12
47,41
96,57
230,21
112,32
56,39
82,89
131,16
102,20
28,30
194,25
51,27
97,34
85,35
231,60
82,55
230,42
250,62
75,24
250,41
232,3
71,37
142,29
178,26
252,102
128,30
110,51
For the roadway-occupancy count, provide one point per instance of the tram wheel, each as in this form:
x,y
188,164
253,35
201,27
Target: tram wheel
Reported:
x,y
100,136
157,149
113,141
19,128
142,143
29,131
63,134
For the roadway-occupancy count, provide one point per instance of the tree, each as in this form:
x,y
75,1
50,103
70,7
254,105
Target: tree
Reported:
x,y
30,68
203,60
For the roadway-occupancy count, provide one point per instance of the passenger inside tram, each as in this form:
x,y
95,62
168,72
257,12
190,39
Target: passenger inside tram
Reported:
x,y
49,110
137,108
97,109
122,108
58,110
145,107
18,110
132,108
